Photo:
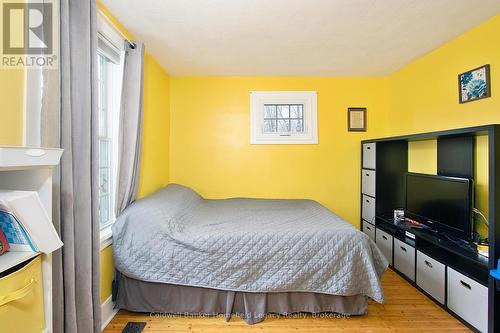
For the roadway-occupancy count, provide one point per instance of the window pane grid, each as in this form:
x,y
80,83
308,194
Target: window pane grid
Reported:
x,y
283,118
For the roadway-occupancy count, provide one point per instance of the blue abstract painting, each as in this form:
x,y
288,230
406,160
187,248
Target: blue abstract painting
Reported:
x,y
474,84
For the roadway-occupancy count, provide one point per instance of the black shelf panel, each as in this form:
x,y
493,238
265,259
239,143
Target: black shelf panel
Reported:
x,y
392,165
476,130
456,156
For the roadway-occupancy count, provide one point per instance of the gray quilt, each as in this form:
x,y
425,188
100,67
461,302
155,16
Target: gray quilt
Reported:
x,y
253,245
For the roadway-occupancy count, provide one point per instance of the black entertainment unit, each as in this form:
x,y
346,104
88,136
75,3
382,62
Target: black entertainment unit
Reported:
x,y
439,259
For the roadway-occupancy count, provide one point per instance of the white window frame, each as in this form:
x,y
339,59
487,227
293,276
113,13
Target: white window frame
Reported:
x,y
309,101
108,33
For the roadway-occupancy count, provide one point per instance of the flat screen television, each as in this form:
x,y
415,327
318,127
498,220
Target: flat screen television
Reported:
x,y
442,203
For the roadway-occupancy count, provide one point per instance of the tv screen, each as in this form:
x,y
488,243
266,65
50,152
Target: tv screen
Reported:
x,y
442,203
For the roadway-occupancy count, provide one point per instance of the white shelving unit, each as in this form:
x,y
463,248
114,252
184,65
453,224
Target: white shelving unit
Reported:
x,y
30,169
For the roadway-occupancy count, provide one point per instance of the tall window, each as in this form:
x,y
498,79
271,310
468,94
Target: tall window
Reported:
x,y
109,79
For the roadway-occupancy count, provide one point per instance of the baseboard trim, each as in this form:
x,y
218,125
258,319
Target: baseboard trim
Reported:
x,y
108,311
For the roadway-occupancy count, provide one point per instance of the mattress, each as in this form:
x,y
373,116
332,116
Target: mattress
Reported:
x,y
245,245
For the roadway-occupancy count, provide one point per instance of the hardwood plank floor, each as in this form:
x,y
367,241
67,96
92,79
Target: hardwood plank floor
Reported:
x,y
406,310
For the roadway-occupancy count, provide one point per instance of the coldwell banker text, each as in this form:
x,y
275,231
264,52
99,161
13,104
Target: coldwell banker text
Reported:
x,y
28,34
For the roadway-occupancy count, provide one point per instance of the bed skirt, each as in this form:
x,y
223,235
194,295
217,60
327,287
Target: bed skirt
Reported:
x,y
163,298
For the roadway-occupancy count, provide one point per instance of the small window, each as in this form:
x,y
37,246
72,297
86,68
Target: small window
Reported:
x,y
283,117
109,82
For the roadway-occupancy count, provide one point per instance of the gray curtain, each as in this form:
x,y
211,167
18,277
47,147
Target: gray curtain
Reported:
x,y
129,142
70,118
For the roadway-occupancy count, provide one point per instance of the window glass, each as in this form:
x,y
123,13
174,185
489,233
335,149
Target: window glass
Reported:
x,y
108,90
283,118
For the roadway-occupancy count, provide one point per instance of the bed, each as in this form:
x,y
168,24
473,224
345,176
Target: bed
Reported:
x,y
178,253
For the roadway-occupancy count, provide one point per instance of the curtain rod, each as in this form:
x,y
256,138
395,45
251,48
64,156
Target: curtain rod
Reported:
x,y
131,43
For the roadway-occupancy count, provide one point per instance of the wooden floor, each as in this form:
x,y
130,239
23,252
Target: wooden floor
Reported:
x,y
406,310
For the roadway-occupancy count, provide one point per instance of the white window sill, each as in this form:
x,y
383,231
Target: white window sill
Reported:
x,y
106,237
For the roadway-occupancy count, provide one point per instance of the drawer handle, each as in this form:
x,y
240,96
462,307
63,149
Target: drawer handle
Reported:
x,y
384,237
428,264
367,201
466,285
20,293
368,147
402,248
367,174
368,228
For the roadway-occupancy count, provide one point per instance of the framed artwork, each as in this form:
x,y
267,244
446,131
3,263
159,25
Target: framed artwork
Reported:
x,y
474,84
356,119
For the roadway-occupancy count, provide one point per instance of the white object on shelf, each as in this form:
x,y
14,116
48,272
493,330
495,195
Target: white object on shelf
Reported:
x,y
368,182
30,169
18,157
468,299
431,276
384,243
404,258
369,155
369,229
29,210
368,209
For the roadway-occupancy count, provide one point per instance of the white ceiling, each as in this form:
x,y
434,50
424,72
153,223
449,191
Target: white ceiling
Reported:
x,y
295,37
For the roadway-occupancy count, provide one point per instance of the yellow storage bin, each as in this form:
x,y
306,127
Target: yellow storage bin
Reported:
x,y
21,300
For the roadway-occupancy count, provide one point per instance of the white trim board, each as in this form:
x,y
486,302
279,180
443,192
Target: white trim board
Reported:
x,y
108,312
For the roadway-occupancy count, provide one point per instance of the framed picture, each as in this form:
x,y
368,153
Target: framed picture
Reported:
x,y
356,119
474,84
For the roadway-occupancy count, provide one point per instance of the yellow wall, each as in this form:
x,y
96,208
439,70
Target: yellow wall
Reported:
x,y
12,105
210,140
107,272
155,141
422,156
156,128
12,113
423,96
481,179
